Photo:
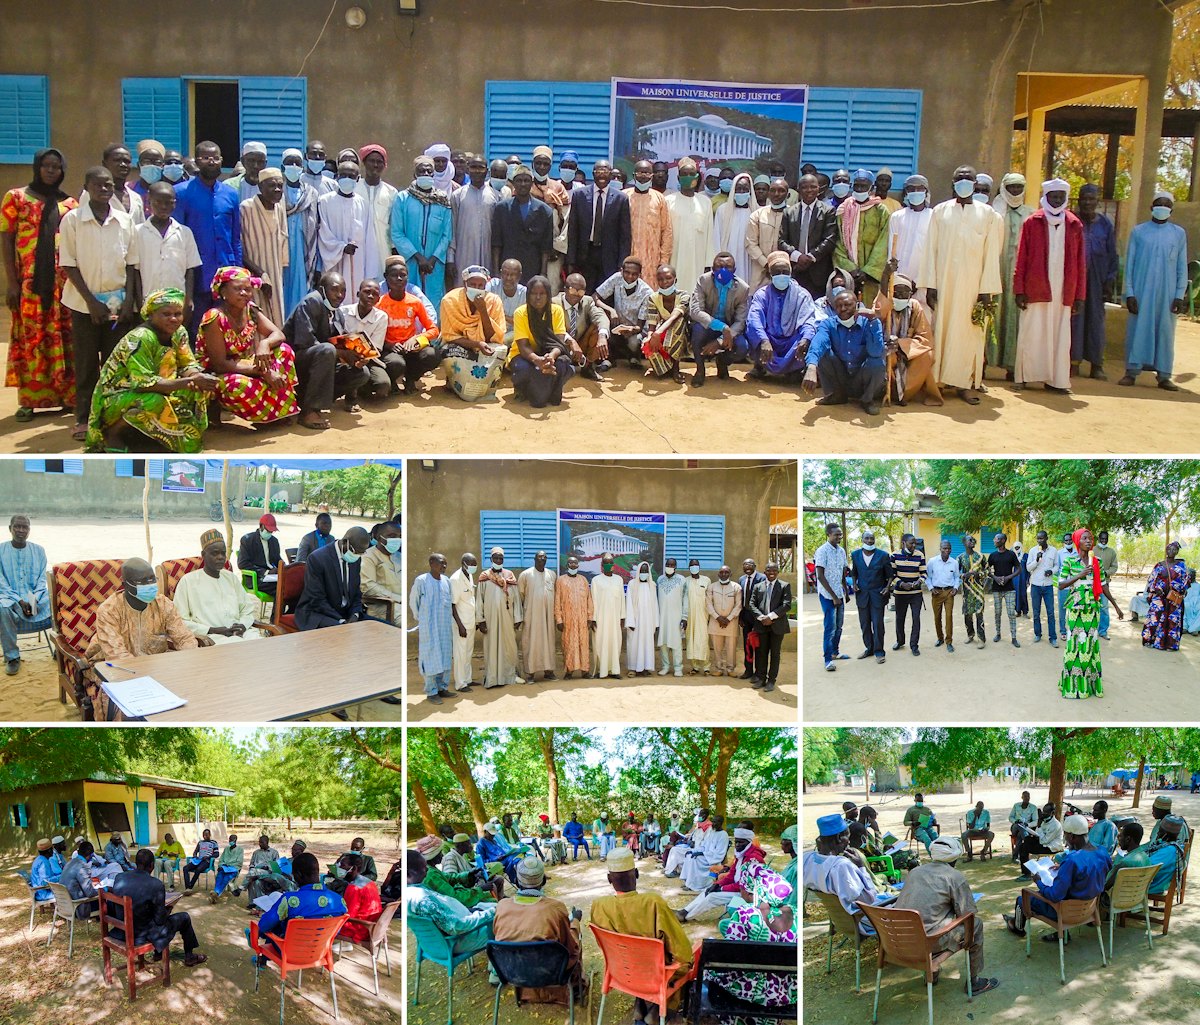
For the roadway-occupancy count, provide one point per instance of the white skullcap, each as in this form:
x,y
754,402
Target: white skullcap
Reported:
x,y
1076,824
292,153
495,549
945,848
1164,194
255,147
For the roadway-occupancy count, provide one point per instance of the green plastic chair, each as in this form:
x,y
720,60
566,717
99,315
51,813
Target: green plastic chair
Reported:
x,y
250,583
883,863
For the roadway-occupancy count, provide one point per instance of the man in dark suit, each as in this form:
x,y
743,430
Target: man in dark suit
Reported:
x,y
751,578
522,229
599,235
151,923
770,604
315,539
871,574
259,550
332,595
808,236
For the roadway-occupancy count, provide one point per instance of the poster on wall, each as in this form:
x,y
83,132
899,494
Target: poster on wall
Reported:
x,y
184,475
743,126
631,537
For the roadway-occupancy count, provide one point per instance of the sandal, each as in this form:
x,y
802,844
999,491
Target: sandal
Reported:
x,y
79,432
24,414
316,425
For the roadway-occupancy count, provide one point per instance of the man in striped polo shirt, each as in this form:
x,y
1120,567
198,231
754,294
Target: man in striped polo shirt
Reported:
x,y
909,567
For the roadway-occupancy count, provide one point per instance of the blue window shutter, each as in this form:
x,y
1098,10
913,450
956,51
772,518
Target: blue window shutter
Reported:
x,y
154,468
274,112
73,467
521,534
123,467
24,117
986,543
565,115
35,466
696,537
213,471
870,128
153,108
22,815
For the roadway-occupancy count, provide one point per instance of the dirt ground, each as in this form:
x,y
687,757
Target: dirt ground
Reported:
x,y
625,700
32,695
1140,985
987,684
651,416
43,985
576,884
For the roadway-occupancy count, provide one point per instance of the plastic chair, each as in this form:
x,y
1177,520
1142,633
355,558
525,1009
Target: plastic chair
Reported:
x,y
250,583
64,910
1070,914
634,965
841,921
1187,857
126,945
288,589
35,905
903,942
883,863
533,964
433,945
377,939
773,959
308,943
1130,893
175,865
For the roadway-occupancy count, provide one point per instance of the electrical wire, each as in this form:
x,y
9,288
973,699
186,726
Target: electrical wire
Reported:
x,y
320,35
858,8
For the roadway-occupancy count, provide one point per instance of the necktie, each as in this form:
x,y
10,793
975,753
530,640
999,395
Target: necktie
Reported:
x,y
804,219
573,314
597,216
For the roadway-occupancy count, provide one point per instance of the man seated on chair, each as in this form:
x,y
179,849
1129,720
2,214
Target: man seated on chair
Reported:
x,y
211,600
332,593
573,833
359,846
642,914
830,869
361,896
259,550
151,922
309,900
77,878
261,861
1165,850
1046,839
24,602
460,857
979,822
939,891
382,587
116,853
530,916
1103,833
460,925
229,867
491,847
319,537
273,878
728,884
1080,876
1160,810
470,887
1024,812
202,857
45,869
1130,853
168,855
922,821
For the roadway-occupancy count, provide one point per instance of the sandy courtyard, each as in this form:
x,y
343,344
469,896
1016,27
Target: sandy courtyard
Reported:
x,y
994,683
633,414
1140,985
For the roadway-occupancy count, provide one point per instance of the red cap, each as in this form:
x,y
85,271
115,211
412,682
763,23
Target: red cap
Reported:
x,y
268,520
544,818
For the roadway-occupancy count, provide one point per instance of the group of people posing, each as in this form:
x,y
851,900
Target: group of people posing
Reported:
x,y
665,625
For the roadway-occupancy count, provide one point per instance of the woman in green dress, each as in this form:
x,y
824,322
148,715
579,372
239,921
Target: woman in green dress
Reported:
x,y
972,567
1082,587
152,383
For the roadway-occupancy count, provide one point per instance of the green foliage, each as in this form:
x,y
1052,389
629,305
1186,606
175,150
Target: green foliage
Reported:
x,y
820,754
359,490
888,485
940,756
35,756
868,747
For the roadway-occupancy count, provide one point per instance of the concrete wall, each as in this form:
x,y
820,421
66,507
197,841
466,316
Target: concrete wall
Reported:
x,y
40,804
118,793
444,505
408,82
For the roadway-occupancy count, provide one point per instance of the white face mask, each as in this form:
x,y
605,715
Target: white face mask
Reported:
x,y
644,575
694,570
497,565
470,570
869,547
901,304
670,571
572,570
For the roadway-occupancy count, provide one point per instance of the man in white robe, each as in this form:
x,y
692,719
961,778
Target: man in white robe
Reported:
x,y
696,636
961,268
535,586
498,613
471,218
346,233
380,197
908,230
462,597
680,848
730,225
212,602
698,870
672,619
691,228
641,623
608,608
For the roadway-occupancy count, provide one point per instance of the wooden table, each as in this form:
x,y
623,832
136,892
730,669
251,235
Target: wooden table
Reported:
x,y
293,676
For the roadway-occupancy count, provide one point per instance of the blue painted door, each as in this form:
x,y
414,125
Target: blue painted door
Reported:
x,y
141,822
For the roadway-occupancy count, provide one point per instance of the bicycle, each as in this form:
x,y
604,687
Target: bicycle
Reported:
x,y
216,514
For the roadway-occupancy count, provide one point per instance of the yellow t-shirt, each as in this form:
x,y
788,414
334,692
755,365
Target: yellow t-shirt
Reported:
x,y
558,324
169,850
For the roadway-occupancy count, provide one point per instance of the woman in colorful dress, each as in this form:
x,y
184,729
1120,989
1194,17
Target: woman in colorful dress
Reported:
x,y
255,367
971,566
40,366
1082,586
764,915
666,327
1165,590
152,383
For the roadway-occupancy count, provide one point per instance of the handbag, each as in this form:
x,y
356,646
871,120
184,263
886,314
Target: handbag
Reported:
x,y
1174,597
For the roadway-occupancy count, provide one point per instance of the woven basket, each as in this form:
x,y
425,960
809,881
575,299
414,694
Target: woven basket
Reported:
x,y
472,380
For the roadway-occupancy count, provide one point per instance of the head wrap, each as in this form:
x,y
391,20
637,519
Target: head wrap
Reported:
x,y
724,228
1097,587
916,179
372,147
766,886
348,153
254,147
150,146
982,178
209,536
428,844
546,818
831,825
475,271
268,174
1089,190
44,844
45,266
543,151
1162,803
441,179
226,274
569,154
862,172
268,520
531,873
945,848
163,297
790,833
460,838
620,860
1076,825
492,827
898,279
743,834
1012,178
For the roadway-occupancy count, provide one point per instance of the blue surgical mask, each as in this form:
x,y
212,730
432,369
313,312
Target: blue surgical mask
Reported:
x,y
916,198
392,544
713,190
150,173
292,172
723,276
842,189
470,570
566,175
847,321
498,183
964,187
346,186
901,304
694,570
1161,213
741,198
315,166
146,592
264,534
173,172
424,181
781,205
473,293
726,185
350,557
572,570
327,173
981,197
669,290
641,186
512,170
781,281
861,197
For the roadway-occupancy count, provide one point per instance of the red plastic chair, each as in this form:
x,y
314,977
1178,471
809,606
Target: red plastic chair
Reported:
x,y
308,943
634,965
134,953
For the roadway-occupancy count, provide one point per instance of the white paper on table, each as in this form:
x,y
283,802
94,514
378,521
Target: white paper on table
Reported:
x,y
901,846
142,696
1042,869
267,900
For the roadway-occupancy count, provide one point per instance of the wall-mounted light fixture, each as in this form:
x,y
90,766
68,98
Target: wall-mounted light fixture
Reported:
x,y
356,17
409,7
429,464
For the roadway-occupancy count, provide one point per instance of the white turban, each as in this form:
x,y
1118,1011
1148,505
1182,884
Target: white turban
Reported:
x,y
1056,185
1163,194
743,834
441,179
945,848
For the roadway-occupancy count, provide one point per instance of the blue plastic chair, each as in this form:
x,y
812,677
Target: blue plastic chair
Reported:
x,y
433,945
533,963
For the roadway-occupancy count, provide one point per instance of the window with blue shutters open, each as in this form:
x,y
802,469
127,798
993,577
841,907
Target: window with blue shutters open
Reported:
x,y
71,467
24,117
562,115
18,816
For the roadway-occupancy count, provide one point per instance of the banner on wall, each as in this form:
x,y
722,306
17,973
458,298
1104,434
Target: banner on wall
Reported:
x,y
631,537
184,475
744,126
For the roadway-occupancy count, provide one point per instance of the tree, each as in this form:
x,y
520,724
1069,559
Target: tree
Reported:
x,y
867,748
890,485
820,754
704,754
942,755
455,744
29,757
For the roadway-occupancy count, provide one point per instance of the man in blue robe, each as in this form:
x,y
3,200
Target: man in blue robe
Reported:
x,y
24,603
